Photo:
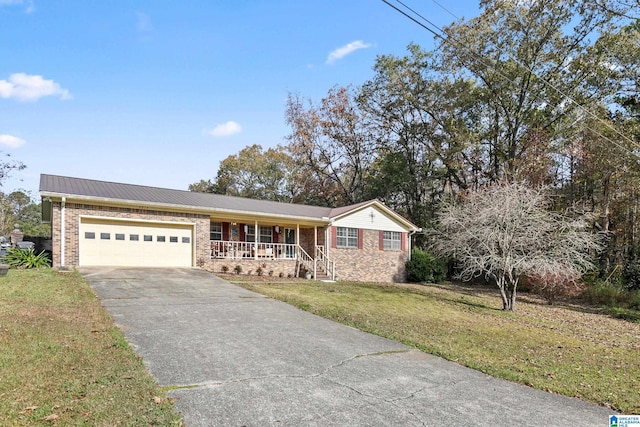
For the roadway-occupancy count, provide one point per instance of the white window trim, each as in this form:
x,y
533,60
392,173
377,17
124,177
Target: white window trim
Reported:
x,y
347,239
216,232
265,238
391,243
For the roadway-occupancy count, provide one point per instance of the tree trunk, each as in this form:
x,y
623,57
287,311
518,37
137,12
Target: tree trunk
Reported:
x,y
508,293
606,256
507,298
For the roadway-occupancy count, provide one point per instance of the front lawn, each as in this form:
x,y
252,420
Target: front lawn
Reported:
x,y
563,349
63,362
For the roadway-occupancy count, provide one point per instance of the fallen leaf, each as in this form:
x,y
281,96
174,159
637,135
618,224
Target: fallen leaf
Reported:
x,y
51,417
157,399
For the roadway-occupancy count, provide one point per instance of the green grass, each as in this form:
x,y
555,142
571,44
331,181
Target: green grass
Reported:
x,y
563,349
64,363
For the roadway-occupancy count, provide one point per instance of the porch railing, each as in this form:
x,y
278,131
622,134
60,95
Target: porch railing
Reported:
x,y
328,265
252,250
319,264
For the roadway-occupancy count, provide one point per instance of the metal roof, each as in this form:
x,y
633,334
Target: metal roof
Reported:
x,y
89,188
64,186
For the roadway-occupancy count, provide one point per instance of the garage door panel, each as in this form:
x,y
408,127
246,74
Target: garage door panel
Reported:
x,y
125,243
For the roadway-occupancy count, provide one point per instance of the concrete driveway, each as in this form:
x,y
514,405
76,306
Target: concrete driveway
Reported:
x,y
237,358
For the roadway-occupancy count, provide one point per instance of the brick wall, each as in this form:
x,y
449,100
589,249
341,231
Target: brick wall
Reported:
x,y
370,264
250,266
73,211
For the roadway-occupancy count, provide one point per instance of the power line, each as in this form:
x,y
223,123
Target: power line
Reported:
x,y
440,33
413,19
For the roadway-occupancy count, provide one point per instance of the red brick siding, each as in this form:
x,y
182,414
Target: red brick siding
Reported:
x,y
370,263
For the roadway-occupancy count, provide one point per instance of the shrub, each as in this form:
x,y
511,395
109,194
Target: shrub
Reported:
x,y
281,275
224,268
553,285
26,258
425,267
631,276
259,271
237,269
618,301
270,272
602,292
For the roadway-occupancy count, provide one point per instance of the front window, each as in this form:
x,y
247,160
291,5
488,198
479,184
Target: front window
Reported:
x,y
251,233
347,237
391,241
266,236
215,232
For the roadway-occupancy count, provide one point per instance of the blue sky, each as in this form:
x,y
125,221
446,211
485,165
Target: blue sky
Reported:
x,y
159,92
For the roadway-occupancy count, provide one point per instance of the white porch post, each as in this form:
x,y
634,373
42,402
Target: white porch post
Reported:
x,y
315,250
255,239
62,230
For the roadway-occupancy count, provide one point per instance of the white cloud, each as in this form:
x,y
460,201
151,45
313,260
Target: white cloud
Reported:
x,y
225,129
29,6
11,141
26,87
345,50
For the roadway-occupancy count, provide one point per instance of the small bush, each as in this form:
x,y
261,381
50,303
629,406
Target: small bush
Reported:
x,y
26,258
270,272
425,267
554,285
631,276
224,268
259,271
237,269
604,293
281,275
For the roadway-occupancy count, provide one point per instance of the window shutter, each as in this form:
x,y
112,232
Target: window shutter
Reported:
x,y
381,240
360,238
274,235
225,231
403,242
334,236
241,232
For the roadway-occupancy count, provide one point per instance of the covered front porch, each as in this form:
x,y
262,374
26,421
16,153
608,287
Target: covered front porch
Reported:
x,y
269,248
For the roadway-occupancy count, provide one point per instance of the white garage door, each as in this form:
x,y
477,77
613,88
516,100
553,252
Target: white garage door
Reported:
x,y
133,243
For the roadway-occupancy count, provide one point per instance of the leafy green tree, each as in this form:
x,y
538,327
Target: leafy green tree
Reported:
x,y
30,220
202,186
422,123
254,173
17,208
528,58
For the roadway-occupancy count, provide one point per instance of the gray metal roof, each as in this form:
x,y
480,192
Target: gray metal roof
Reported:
x,y
89,188
64,186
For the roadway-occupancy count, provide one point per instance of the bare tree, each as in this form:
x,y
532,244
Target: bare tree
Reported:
x,y
505,232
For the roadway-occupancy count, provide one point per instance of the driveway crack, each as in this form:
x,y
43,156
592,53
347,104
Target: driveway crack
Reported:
x,y
378,399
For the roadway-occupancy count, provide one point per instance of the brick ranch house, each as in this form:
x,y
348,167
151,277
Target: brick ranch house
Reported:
x,y
98,223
